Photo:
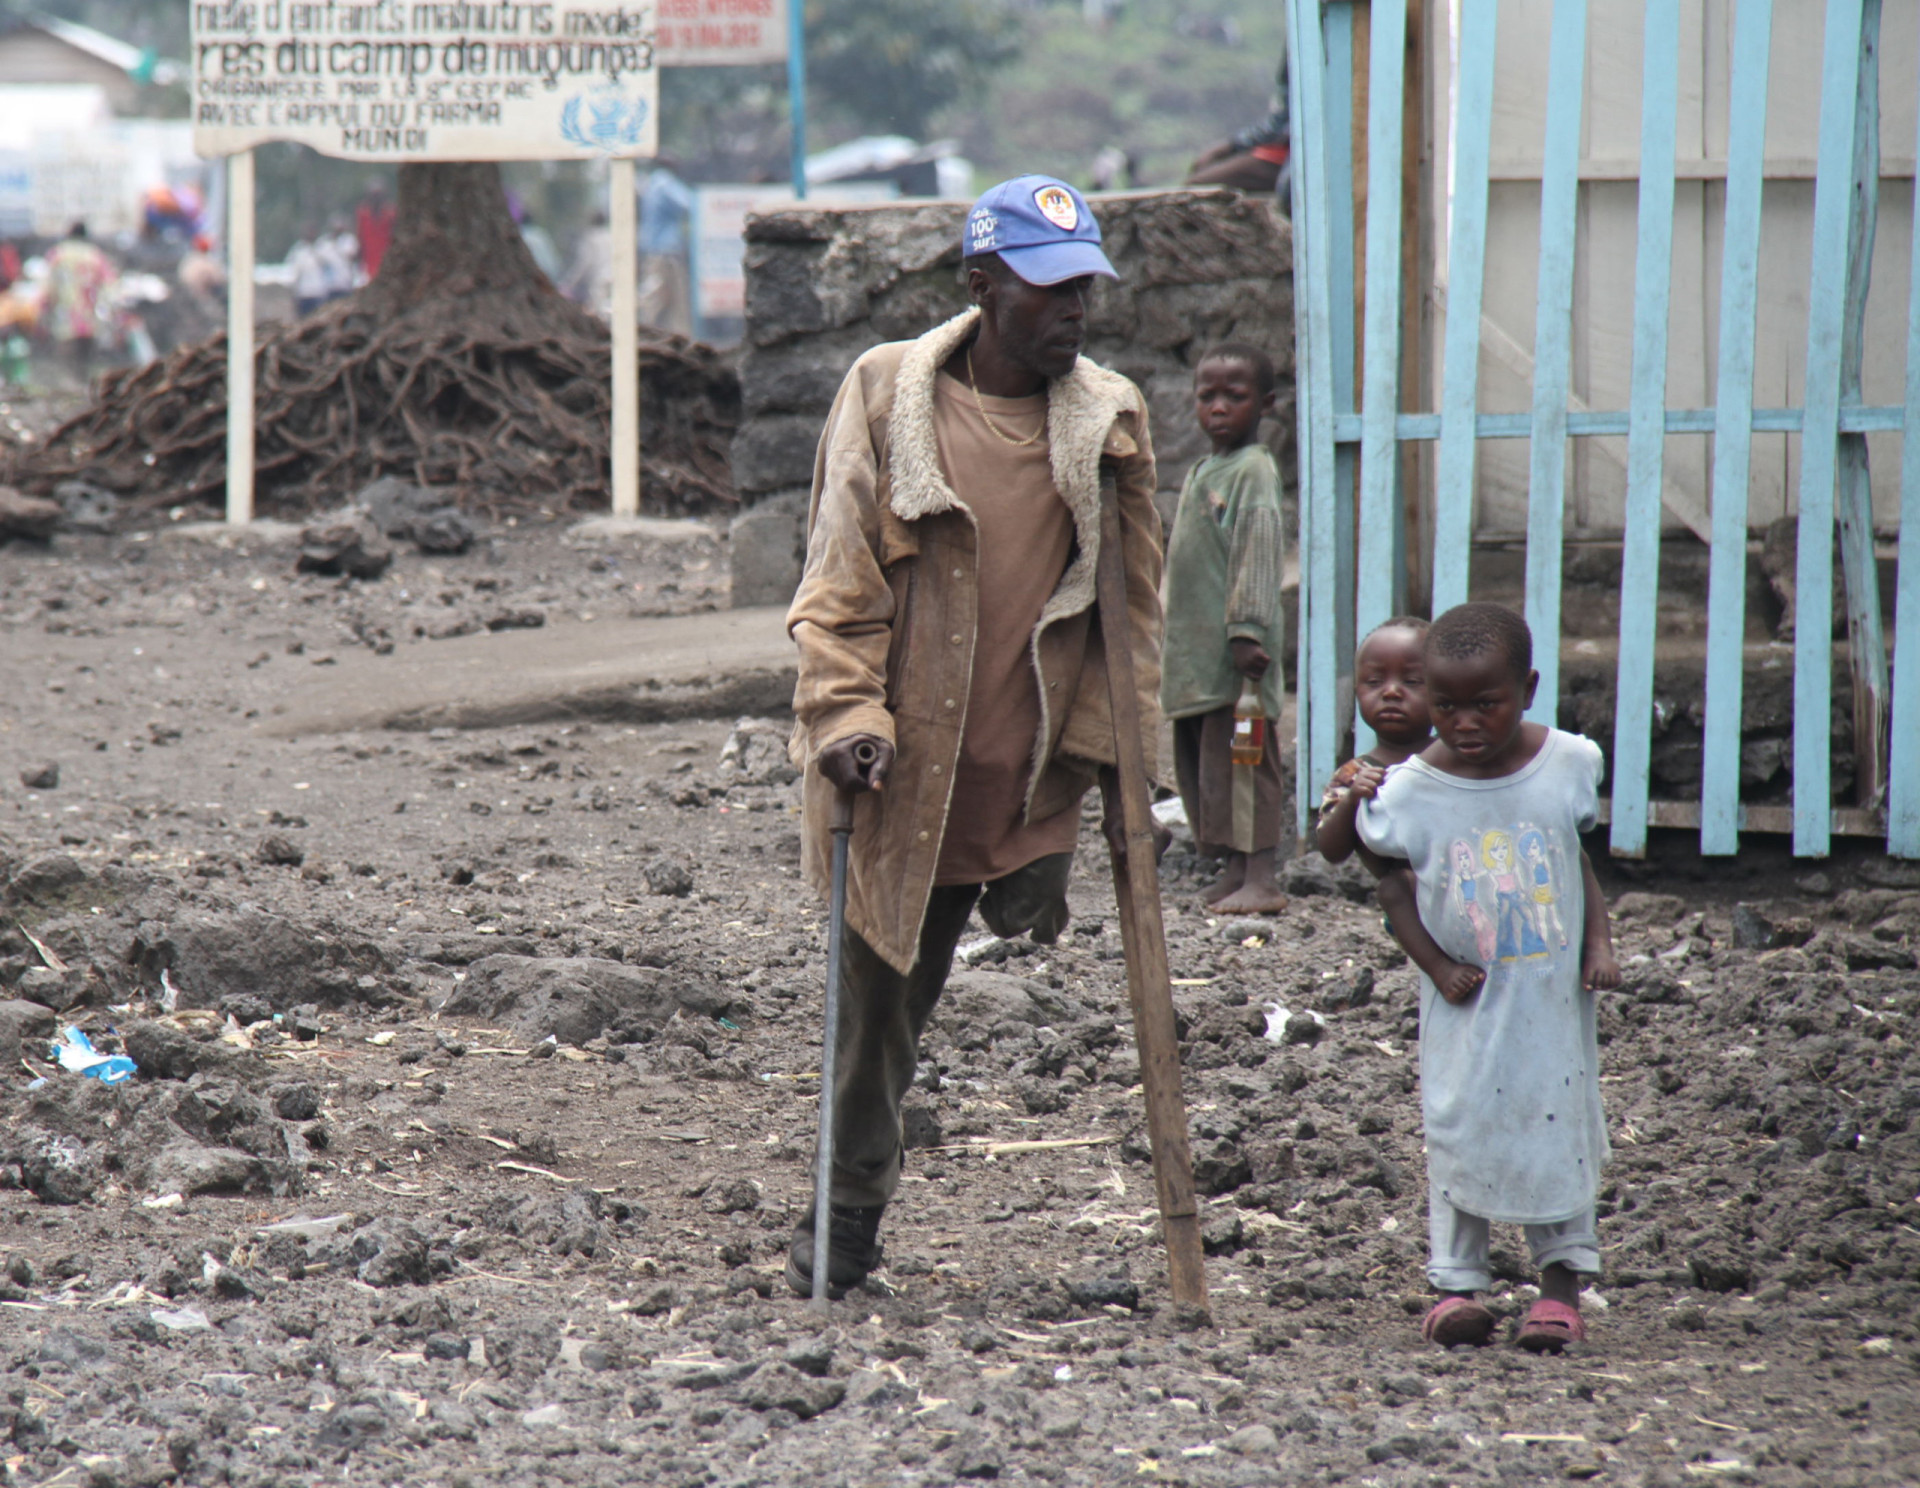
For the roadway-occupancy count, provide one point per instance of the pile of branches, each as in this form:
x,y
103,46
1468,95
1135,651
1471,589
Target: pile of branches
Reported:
x,y
510,411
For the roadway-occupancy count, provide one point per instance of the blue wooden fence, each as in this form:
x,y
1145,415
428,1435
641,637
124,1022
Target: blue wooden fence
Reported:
x,y
1351,526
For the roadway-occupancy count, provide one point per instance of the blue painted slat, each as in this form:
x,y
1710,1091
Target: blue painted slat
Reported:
x,y
1553,347
1466,271
1903,783
1733,428
1647,436
1379,449
1303,800
1889,418
1317,447
1337,85
1820,445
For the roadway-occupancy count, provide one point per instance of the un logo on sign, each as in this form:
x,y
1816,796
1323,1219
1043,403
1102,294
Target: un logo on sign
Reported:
x,y
603,120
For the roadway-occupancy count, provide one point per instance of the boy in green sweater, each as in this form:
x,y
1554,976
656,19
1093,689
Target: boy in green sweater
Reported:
x,y
1224,630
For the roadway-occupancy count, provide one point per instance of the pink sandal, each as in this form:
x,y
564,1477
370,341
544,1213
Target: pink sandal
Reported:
x,y
1456,1320
1550,1327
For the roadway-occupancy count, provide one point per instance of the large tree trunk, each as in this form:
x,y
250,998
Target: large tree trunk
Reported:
x,y
460,367
454,236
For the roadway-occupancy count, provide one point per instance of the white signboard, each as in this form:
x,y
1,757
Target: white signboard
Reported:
x,y
720,235
401,80
722,33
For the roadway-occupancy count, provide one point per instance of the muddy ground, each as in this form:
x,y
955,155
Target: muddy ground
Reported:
x,y
470,1149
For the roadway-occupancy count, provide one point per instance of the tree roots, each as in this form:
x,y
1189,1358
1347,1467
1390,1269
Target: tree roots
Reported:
x,y
502,396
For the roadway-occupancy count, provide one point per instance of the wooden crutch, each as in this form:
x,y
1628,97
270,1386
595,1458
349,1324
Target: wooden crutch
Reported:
x,y
1143,933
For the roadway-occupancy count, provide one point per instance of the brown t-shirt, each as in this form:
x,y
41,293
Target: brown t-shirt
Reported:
x,y
1026,539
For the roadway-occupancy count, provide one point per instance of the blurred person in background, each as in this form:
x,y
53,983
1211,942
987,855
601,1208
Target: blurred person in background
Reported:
x,y
203,276
339,251
311,282
19,318
1255,159
1115,169
666,217
78,275
589,281
373,225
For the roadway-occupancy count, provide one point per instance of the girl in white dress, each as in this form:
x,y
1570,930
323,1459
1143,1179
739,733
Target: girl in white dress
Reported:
x,y
1489,818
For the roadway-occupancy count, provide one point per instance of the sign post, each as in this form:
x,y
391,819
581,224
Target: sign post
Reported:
x,y
626,340
797,92
240,400
571,80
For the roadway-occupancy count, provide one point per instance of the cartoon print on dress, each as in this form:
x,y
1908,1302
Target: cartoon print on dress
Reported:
x,y
1463,894
1546,903
1516,937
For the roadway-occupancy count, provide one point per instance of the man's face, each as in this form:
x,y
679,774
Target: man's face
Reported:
x,y
1038,326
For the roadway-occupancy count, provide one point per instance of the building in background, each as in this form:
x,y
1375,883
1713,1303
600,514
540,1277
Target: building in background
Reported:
x,y
70,149
42,50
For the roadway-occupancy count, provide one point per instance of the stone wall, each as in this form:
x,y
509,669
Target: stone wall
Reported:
x,y
825,284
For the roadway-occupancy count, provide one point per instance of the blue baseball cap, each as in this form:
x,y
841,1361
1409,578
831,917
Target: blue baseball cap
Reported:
x,y
1042,229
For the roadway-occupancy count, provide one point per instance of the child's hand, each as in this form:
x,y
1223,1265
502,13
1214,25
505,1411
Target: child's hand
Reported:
x,y
1250,658
1366,781
1458,982
1601,972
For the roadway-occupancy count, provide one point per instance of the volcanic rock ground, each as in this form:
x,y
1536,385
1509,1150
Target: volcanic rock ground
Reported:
x,y
358,1219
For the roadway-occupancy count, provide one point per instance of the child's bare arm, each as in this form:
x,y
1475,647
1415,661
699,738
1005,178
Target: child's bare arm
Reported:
x,y
1599,970
1336,833
1456,982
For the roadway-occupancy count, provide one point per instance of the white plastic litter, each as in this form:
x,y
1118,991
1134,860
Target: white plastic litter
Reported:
x,y
74,1051
181,1319
1171,812
1278,1018
169,994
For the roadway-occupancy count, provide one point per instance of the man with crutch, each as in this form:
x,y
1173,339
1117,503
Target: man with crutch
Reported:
x,y
952,672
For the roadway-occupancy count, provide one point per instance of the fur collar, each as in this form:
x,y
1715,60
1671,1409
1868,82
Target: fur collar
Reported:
x,y
1081,409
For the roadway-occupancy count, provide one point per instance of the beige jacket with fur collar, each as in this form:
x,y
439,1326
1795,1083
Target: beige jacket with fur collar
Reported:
x,y
891,574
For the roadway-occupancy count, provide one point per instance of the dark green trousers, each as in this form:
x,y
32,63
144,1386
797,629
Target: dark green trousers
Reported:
x,y
883,1014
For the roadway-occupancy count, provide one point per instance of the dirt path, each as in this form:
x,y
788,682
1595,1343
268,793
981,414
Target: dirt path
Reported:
x,y
559,1262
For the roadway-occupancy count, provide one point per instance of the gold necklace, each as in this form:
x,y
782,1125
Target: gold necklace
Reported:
x,y
992,428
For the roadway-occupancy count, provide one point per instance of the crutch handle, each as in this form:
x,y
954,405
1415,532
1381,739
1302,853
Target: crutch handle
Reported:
x,y
841,819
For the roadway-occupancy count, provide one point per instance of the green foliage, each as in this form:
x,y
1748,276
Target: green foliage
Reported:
x,y
1160,78
888,66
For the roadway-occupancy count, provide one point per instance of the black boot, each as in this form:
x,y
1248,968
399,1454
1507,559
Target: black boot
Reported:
x,y
856,1250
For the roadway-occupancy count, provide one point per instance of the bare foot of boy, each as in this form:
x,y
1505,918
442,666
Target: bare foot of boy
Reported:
x,y
1458,983
1258,893
1231,878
